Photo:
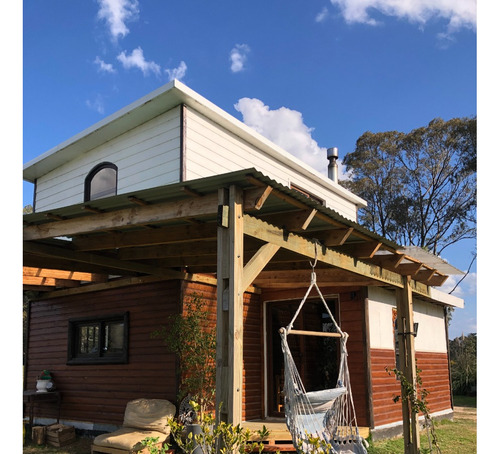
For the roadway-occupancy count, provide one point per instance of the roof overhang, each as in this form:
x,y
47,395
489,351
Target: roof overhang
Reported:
x,y
163,99
170,232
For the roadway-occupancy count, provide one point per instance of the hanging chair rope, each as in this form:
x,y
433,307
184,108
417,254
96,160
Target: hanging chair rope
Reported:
x,y
327,415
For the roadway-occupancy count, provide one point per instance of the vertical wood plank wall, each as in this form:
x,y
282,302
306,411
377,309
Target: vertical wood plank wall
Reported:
x,y
99,393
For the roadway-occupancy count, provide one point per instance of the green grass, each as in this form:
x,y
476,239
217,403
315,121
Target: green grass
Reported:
x,y
457,436
454,437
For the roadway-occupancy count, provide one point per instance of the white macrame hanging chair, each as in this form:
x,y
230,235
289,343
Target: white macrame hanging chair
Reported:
x,y
327,415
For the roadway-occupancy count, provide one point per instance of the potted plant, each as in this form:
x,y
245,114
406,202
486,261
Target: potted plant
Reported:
x,y
192,337
43,382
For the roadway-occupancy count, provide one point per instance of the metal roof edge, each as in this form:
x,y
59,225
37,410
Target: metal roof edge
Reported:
x,y
439,296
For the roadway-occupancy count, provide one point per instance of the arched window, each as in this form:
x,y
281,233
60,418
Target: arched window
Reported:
x,y
101,181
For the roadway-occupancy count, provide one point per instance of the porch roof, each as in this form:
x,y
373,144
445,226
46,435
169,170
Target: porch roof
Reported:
x,y
171,231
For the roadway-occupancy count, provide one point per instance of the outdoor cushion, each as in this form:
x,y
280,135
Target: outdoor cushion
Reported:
x,y
149,414
143,418
127,438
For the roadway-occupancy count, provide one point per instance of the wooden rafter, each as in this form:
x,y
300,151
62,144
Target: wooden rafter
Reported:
x,y
266,232
170,235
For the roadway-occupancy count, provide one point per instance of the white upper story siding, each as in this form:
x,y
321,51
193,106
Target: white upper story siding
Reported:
x,y
146,156
212,150
170,134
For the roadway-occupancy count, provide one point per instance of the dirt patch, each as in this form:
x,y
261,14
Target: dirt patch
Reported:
x,y
465,413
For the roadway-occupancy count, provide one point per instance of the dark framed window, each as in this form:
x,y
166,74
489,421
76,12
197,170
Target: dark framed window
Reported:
x,y
98,340
101,181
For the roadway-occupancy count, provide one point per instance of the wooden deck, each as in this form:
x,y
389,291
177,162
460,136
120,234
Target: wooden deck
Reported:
x,y
279,437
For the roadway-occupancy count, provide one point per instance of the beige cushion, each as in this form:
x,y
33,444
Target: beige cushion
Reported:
x,y
149,414
127,438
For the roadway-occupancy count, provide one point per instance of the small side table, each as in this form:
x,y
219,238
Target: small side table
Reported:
x,y
33,397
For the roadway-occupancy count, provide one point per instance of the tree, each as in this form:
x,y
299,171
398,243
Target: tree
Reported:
x,y
463,361
420,186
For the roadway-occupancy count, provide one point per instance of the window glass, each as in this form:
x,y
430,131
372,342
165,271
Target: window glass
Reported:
x,y
101,181
88,339
98,339
103,184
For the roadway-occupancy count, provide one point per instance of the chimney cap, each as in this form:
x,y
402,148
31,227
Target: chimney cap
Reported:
x,y
332,153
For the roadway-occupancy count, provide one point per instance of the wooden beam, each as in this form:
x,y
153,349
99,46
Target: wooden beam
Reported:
x,y
330,276
296,221
137,201
437,280
45,261
49,281
363,250
124,282
195,248
255,198
335,237
86,257
406,336
424,275
257,263
389,261
229,355
167,235
63,274
128,217
258,229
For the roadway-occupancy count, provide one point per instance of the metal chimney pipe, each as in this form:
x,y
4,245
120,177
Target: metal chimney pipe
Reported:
x,y
333,154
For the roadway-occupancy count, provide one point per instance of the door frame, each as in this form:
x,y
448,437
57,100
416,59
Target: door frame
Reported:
x,y
265,329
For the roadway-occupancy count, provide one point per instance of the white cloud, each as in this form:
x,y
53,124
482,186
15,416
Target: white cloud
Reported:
x,y
459,13
136,60
466,288
97,104
177,73
322,15
238,57
286,128
103,66
116,13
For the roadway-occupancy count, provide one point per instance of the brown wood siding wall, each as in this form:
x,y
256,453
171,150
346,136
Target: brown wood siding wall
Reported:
x,y
352,320
434,374
253,349
99,393
253,358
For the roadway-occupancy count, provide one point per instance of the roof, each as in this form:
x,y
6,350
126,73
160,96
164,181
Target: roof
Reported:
x,y
98,249
155,103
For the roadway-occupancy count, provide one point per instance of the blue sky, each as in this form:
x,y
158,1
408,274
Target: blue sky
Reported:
x,y
319,72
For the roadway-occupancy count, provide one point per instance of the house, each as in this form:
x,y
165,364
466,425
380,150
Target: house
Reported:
x,y
171,197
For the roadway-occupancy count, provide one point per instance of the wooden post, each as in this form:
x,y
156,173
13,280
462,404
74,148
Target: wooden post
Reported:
x,y
229,379
404,303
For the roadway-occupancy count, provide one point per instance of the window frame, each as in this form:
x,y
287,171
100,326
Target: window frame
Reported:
x,y
308,194
89,178
100,357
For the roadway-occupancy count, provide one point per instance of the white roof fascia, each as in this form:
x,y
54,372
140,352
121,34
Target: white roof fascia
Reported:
x,y
155,103
445,298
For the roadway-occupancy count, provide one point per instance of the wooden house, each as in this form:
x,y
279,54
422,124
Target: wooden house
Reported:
x,y
170,197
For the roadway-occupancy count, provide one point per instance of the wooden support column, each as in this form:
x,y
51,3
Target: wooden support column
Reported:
x,y
229,379
404,302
